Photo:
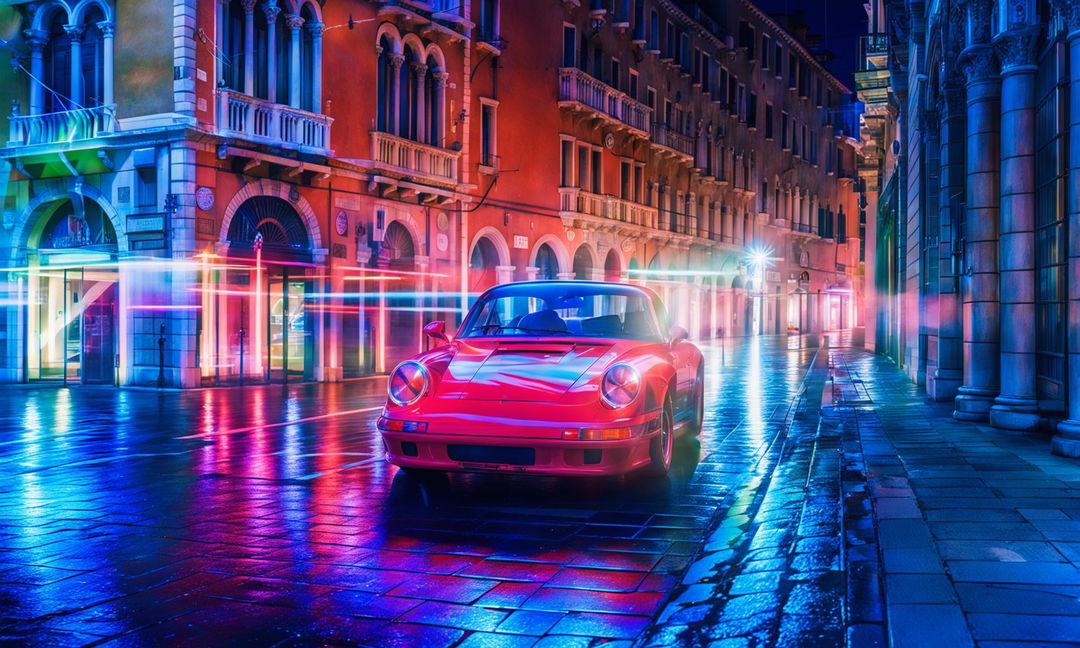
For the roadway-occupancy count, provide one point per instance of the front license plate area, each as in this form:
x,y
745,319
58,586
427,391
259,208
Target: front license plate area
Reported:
x,y
481,454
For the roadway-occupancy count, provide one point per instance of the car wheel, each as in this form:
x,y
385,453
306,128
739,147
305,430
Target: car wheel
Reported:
x,y
662,445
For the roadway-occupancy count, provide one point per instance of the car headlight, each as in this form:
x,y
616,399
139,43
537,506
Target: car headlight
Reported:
x,y
620,385
408,383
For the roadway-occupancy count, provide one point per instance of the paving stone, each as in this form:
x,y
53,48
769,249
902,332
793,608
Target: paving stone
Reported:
x,y
928,626
919,588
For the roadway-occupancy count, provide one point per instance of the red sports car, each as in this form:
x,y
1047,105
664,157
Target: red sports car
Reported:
x,y
548,377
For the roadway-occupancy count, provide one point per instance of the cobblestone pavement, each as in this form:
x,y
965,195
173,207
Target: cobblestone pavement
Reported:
x,y
267,516
826,504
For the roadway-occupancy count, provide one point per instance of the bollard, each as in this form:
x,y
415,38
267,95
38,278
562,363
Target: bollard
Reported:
x,y
242,332
161,357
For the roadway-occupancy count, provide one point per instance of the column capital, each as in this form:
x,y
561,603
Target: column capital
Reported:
x,y
107,27
441,78
249,6
396,61
74,31
294,22
271,10
1070,13
36,39
977,62
1016,47
419,68
315,28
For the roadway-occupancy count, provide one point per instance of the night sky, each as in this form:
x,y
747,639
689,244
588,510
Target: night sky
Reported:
x,y
838,22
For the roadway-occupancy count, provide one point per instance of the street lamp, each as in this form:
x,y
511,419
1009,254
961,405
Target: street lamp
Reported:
x,y
758,259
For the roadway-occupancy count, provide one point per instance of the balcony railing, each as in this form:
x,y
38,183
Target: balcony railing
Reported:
x,y
579,87
407,156
271,123
664,136
60,127
574,200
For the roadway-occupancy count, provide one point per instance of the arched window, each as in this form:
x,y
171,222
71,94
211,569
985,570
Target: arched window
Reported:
x,y
57,65
582,263
482,264
282,59
235,48
547,263
433,102
93,59
612,267
270,222
407,90
309,60
260,50
385,87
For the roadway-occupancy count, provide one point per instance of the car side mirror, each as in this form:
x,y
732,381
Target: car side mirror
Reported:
x,y
437,331
677,334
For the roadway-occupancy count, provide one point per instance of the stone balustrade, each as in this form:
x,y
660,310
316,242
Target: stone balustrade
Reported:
x,y
60,127
414,158
266,122
578,87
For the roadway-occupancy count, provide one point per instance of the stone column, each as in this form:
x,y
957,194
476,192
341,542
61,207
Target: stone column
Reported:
x,y
1067,440
249,46
980,283
316,31
419,112
271,10
75,33
393,116
37,39
949,374
294,23
440,105
108,31
1016,407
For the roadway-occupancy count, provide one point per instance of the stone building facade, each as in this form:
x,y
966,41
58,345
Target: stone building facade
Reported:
x,y
288,189
983,197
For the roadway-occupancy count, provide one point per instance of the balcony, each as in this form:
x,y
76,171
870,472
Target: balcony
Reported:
x,y
580,91
65,127
273,124
604,210
419,161
673,141
873,45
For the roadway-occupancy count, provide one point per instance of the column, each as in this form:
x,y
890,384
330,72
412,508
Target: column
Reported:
x,y
419,112
980,283
108,30
37,39
75,33
1016,407
393,116
294,23
271,10
440,105
949,374
1067,440
316,31
249,46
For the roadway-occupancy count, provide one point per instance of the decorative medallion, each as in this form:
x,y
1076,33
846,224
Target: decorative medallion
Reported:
x,y
442,242
609,140
341,222
628,245
442,221
570,235
294,194
204,198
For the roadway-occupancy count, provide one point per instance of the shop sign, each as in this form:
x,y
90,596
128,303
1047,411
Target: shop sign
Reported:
x,y
521,242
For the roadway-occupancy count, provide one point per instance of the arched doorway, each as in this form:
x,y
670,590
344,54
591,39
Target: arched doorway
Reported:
x,y
256,324
398,318
71,281
583,264
547,263
482,265
612,267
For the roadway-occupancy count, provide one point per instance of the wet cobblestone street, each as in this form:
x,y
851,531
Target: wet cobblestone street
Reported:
x,y
825,504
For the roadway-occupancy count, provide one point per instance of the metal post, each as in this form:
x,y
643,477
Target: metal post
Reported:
x,y
161,356
242,352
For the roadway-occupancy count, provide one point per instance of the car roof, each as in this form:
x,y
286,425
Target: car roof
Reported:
x,y
571,282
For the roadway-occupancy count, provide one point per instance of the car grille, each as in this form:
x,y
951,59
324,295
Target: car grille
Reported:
x,y
492,454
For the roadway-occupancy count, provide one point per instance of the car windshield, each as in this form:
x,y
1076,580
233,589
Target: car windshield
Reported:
x,y
563,310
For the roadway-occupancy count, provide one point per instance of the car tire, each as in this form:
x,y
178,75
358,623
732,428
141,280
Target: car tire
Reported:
x,y
662,446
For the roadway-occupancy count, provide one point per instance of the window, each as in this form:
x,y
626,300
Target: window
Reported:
x,y
695,66
583,168
813,147
639,181
654,32
706,72
841,227
146,193
670,45
820,93
794,138
746,39
626,191
784,130
803,149
596,172
598,63
751,111
489,20
639,21
488,152
740,100
733,94
778,60
633,88
766,47
769,121
569,57
792,70
90,40
616,74
650,98
722,87
566,157
684,51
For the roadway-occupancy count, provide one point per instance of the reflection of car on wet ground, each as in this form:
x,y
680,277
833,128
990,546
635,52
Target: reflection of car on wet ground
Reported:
x,y
548,377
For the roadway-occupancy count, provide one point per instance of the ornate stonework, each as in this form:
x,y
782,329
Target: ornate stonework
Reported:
x,y
978,20
294,22
1016,47
978,63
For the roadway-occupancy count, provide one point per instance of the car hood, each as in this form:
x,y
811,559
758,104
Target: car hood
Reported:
x,y
533,371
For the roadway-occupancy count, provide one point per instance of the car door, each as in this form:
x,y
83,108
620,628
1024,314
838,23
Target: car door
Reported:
x,y
682,356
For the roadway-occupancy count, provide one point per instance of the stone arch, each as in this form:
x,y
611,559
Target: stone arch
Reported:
x,y
410,226
316,9
45,12
584,261
435,52
613,266
557,245
497,239
276,189
413,42
83,8
28,221
391,33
